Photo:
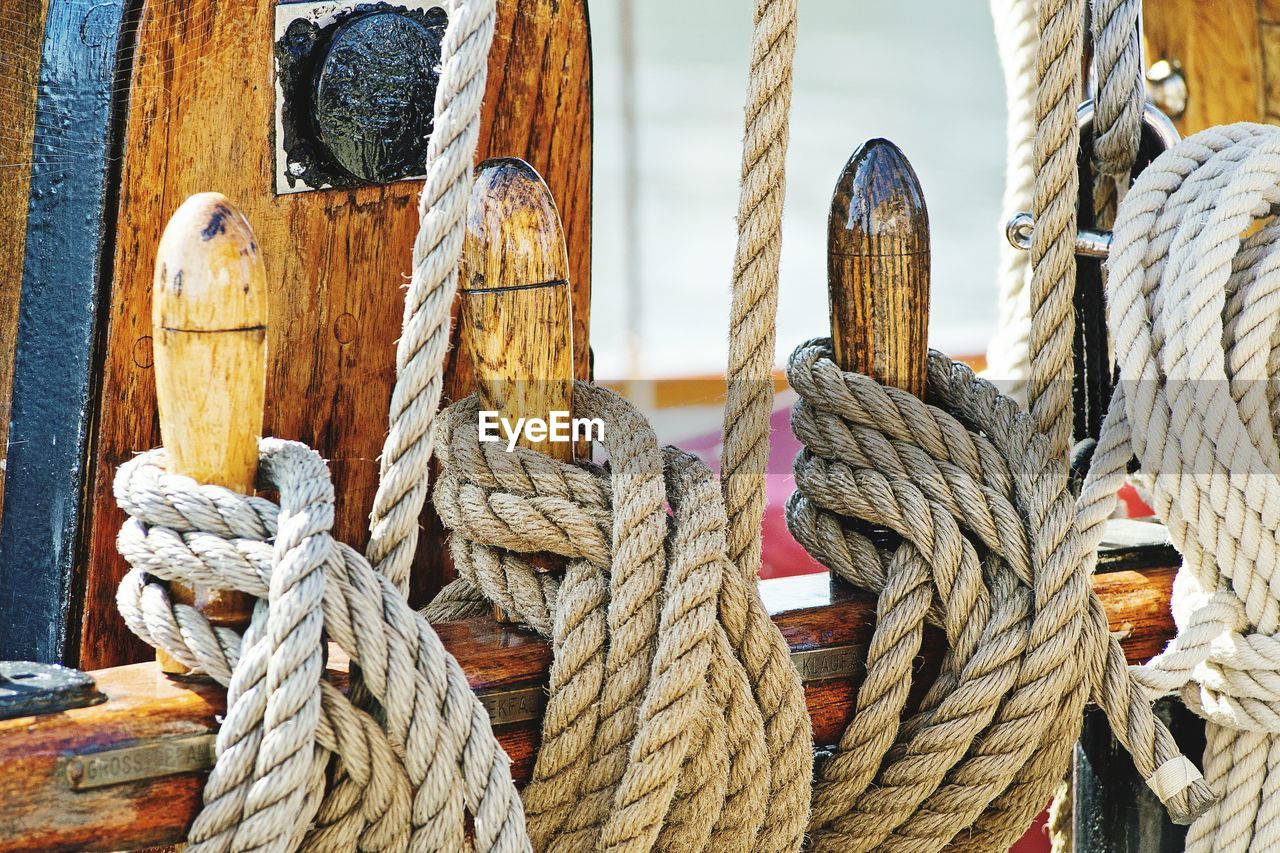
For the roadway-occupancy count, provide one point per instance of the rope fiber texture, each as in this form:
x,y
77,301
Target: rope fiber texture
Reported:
x,y
422,763
675,717
406,781
1194,313
989,550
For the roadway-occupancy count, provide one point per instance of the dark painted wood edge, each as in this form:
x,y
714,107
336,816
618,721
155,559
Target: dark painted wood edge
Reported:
x,y
66,267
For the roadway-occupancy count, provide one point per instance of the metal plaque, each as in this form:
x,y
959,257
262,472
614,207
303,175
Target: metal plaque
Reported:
x,y
152,760
831,662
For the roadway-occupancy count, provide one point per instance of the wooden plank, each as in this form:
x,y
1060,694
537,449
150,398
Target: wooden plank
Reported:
x,y
43,812
1218,45
21,23
201,118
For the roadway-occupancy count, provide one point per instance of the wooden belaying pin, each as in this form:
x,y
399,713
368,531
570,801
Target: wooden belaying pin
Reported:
x,y
878,268
209,320
516,316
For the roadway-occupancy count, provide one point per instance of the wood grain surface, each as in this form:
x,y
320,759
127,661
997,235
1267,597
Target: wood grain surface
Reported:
x,y
1218,45
878,268
516,309
200,118
42,813
21,26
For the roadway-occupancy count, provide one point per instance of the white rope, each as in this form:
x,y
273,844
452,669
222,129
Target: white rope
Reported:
x,y
1117,124
1194,312
1008,353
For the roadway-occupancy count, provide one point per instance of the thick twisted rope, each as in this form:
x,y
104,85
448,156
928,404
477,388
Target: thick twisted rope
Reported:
x,y
1193,313
990,550
1053,259
406,454
673,706
407,781
1121,92
282,717
753,314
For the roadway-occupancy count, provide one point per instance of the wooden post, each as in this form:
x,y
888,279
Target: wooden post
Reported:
x,y
878,268
209,315
516,312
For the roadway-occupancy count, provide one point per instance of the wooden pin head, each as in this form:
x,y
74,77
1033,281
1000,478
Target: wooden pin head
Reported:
x,y
209,318
516,305
878,268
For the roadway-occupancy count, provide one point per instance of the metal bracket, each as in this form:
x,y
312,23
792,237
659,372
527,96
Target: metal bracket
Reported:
x,y
1091,243
29,689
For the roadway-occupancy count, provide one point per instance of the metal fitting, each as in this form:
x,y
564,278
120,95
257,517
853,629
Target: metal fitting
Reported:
x,y
1168,87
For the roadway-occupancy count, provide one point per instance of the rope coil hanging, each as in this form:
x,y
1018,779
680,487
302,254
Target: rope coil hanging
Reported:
x,y
675,718
991,546
1193,313
991,551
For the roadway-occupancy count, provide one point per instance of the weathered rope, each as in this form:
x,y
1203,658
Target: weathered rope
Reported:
x,y
643,741
408,780
673,704
1121,92
1053,258
990,550
406,454
283,719
1193,313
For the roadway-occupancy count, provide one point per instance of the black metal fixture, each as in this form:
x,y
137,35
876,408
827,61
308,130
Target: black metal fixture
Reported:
x,y
355,91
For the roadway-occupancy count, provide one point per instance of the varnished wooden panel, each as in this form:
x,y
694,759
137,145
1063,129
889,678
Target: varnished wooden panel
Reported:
x,y
200,118
1218,45
42,813
21,25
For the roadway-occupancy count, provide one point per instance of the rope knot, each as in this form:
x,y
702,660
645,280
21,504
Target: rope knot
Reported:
x,y
982,541
675,717
392,783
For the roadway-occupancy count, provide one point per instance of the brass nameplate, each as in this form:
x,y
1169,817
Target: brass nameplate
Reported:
x,y
152,760
831,662
513,706
523,704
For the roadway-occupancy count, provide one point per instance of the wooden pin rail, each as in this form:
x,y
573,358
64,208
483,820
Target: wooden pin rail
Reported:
x,y
128,773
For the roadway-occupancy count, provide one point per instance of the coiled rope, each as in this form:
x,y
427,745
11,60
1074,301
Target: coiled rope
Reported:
x,y
643,741
990,547
1193,313
674,708
430,760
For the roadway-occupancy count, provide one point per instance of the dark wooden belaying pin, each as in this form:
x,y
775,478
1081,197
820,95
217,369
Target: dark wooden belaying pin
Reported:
x,y
516,314
878,268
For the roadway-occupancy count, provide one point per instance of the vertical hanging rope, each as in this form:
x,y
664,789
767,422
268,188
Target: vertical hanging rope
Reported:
x,y
749,392
1117,118
1053,259
752,326
1009,354
406,454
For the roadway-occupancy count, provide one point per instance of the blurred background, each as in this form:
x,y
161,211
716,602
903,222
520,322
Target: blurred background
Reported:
x,y
670,80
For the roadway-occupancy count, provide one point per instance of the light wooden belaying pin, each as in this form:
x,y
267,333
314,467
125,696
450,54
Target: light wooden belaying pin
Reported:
x,y
878,268
516,312
209,318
